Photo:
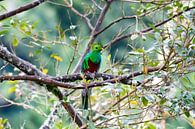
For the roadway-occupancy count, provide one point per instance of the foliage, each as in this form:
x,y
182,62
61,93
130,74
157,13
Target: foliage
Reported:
x,y
155,38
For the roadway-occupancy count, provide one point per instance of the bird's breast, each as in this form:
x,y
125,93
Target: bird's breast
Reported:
x,y
93,67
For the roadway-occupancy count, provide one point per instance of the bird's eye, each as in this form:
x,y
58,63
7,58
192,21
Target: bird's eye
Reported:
x,y
96,47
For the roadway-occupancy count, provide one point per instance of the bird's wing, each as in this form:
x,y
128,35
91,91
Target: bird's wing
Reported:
x,y
85,64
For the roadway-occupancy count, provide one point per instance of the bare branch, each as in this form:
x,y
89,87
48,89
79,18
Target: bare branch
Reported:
x,y
148,29
129,17
147,1
21,9
25,106
79,14
99,7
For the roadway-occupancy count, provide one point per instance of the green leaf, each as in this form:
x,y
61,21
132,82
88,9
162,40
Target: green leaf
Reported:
x,y
34,25
3,32
178,4
151,126
15,42
185,80
59,125
144,101
4,121
140,50
153,63
37,52
187,113
162,101
168,8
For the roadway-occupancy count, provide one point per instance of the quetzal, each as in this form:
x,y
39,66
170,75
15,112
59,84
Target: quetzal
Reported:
x,y
90,64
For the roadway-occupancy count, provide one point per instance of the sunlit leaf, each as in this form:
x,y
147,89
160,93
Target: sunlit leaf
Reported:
x,y
11,89
133,102
57,58
140,50
153,63
45,71
15,42
150,126
108,57
13,82
193,123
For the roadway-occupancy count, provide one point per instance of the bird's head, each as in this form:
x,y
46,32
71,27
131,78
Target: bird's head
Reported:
x,y
96,47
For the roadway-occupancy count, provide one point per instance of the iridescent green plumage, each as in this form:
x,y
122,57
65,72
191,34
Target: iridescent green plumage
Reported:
x,y
91,64
92,60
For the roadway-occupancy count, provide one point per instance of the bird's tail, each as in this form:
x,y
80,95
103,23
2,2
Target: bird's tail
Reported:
x,y
85,99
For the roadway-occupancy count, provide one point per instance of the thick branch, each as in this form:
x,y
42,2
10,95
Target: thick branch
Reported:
x,y
41,80
21,9
29,69
126,79
23,65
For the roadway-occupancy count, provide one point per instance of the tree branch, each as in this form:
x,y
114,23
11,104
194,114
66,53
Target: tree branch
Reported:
x,y
147,1
98,6
21,9
126,79
93,34
23,65
29,69
41,80
129,17
148,29
52,116
24,105
79,14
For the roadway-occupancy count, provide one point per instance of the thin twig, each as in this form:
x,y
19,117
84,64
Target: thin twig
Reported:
x,y
25,106
148,29
99,7
79,14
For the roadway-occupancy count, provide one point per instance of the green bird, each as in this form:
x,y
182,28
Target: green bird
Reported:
x,y
91,64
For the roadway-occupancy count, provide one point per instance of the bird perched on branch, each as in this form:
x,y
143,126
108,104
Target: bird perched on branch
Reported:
x,y
90,64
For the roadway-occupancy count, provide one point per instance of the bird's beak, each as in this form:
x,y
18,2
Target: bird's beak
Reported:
x,y
102,50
